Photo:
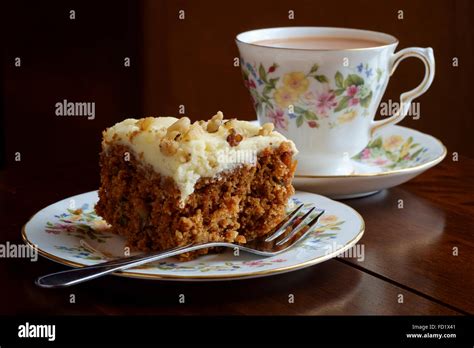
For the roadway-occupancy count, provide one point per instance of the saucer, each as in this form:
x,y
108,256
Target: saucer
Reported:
x,y
395,155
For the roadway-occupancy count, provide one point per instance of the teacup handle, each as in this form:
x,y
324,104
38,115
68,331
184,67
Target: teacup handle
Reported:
x,y
426,56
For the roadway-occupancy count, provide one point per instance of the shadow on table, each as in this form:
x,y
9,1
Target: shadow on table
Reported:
x,y
298,292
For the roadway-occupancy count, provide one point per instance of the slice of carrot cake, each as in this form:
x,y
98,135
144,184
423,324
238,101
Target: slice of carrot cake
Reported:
x,y
166,182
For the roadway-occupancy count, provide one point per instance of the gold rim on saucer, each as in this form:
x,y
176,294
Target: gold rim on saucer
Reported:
x,y
422,166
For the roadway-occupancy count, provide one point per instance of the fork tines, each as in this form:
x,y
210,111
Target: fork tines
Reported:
x,y
282,226
294,225
301,229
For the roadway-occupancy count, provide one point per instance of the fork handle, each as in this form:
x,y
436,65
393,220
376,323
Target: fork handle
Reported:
x,y
82,274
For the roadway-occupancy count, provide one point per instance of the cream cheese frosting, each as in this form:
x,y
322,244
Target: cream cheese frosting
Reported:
x,y
187,152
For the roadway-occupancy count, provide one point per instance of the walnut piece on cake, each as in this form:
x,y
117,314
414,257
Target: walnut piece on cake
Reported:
x,y
216,180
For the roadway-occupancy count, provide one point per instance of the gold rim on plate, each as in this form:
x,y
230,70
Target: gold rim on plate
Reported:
x,y
275,271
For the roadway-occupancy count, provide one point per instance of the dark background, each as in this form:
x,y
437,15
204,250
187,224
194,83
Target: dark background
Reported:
x,y
190,62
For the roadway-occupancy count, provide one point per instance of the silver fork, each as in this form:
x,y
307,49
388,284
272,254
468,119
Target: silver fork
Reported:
x,y
287,233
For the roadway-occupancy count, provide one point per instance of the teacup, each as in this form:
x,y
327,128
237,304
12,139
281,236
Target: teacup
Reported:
x,y
321,87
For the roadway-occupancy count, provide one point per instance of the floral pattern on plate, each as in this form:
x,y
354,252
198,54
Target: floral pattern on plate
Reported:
x,y
87,226
79,237
81,223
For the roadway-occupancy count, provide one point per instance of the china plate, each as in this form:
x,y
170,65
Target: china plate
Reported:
x,y
394,155
70,233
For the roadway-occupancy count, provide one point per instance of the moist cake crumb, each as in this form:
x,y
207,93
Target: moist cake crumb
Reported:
x,y
142,198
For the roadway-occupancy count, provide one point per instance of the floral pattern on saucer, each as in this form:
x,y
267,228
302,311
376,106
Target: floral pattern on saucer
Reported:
x,y
393,152
394,155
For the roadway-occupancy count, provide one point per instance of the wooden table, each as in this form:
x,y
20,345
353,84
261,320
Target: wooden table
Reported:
x,y
409,252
